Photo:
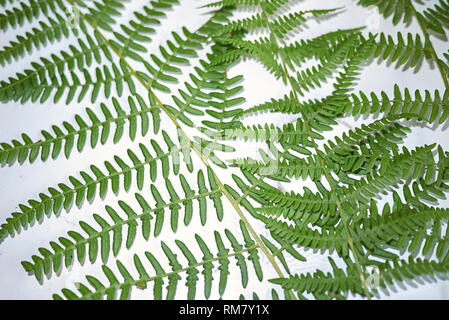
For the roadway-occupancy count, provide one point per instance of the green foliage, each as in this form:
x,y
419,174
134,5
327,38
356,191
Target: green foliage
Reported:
x,y
206,263
341,211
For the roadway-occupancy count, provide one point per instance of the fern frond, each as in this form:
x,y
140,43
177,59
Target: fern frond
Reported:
x,y
284,24
313,77
208,262
66,137
401,9
80,57
319,47
435,18
99,181
422,105
131,43
231,3
103,12
406,52
404,224
22,13
33,86
355,152
55,30
109,238
180,53
343,281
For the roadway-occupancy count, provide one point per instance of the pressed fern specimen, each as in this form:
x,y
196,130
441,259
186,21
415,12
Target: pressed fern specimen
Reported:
x,y
180,170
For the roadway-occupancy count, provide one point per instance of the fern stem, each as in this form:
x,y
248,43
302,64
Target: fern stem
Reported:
x,y
432,49
326,173
205,161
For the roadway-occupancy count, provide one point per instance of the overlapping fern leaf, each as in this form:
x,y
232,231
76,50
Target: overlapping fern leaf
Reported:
x,y
180,179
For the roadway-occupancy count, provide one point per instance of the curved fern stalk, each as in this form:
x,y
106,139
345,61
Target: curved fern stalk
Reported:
x,y
341,281
207,263
110,235
99,181
212,129
65,138
433,19
227,192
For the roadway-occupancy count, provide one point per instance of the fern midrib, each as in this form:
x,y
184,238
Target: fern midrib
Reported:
x,y
198,152
340,210
432,48
110,228
102,292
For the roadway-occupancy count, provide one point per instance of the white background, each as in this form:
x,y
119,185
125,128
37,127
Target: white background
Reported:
x,y
19,183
